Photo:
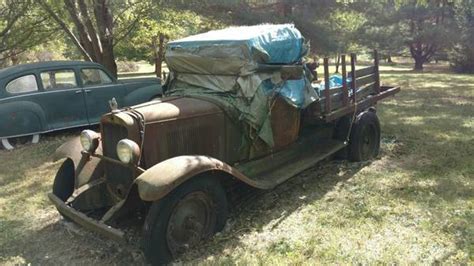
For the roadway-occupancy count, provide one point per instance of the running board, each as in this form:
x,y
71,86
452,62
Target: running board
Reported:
x,y
275,169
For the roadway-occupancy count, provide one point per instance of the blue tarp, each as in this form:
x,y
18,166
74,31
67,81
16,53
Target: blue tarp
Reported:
x,y
335,81
270,44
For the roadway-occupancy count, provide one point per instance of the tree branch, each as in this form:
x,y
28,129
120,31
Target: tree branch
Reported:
x,y
65,28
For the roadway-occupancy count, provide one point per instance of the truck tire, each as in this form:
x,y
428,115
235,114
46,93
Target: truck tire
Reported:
x,y
10,143
192,212
365,137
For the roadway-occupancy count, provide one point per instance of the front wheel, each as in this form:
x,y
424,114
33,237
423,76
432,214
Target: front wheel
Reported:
x,y
192,212
365,137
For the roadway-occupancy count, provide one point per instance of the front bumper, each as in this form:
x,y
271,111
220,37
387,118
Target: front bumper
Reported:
x,y
85,221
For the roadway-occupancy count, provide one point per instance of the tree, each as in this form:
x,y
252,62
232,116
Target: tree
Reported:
x,y
154,31
21,28
426,28
462,54
96,26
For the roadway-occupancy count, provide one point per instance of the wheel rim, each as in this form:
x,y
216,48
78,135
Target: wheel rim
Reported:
x,y
368,142
10,143
192,220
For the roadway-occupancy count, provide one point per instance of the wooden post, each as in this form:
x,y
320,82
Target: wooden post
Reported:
x,y
345,92
327,95
353,77
376,72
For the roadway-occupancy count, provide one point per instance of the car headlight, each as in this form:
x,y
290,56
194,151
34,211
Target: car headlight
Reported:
x,y
128,151
89,140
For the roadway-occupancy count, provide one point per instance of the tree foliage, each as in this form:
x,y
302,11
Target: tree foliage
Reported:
x,y
21,29
95,26
462,54
160,25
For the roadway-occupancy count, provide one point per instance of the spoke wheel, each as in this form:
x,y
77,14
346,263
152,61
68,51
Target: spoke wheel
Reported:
x,y
190,213
192,220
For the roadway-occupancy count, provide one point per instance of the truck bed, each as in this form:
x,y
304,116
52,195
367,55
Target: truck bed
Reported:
x,y
360,89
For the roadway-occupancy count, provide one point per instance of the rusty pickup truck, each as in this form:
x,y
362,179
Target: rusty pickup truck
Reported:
x,y
176,159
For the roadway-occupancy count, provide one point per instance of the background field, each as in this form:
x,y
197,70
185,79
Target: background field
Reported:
x,y
412,204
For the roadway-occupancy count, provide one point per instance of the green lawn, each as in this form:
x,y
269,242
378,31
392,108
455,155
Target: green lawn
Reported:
x,y
412,204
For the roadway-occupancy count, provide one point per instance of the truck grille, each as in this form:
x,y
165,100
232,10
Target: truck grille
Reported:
x,y
119,178
111,135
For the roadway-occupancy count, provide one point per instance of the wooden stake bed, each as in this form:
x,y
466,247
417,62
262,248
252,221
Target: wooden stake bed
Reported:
x,y
364,91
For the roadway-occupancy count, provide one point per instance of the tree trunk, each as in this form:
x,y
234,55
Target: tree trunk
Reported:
x,y
418,64
159,53
389,58
338,62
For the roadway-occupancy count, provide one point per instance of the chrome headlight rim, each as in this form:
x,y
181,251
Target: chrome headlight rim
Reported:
x,y
128,151
89,140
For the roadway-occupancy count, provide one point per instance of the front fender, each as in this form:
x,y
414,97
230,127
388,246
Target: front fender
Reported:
x,y
86,168
159,180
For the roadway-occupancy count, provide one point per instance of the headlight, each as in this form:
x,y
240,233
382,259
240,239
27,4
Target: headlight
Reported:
x,y
89,140
128,151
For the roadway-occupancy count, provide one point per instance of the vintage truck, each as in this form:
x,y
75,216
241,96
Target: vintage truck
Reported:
x,y
235,110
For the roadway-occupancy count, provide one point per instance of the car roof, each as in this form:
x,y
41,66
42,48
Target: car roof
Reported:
x,y
47,64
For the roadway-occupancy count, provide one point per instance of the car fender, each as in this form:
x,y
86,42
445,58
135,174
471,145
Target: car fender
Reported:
x,y
162,178
21,118
86,167
142,94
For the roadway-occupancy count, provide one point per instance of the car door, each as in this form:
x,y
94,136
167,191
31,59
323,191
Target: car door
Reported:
x,y
62,99
99,88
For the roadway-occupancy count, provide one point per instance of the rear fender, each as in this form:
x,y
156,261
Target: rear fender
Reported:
x,y
161,179
21,118
142,94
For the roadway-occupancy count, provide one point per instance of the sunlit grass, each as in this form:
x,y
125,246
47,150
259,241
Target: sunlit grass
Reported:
x,y
414,204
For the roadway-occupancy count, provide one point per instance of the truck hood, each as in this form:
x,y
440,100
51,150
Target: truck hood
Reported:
x,y
173,108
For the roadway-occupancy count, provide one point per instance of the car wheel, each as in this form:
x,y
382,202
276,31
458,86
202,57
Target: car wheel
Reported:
x,y
11,143
365,137
192,212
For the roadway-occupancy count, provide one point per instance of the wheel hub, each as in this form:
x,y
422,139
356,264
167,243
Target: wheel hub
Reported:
x,y
192,220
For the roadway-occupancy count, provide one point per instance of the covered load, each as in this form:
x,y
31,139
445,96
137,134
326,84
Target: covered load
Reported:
x,y
245,69
236,50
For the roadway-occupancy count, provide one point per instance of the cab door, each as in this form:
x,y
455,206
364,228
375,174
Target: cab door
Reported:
x,y
99,88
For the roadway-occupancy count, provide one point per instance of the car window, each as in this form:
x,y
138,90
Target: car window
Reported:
x,y
94,76
22,84
58,79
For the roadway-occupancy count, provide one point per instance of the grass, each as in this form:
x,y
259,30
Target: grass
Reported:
x,y
413,204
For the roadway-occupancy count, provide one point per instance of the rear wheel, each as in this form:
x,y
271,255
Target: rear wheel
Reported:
x,y
192,212
11,143
365,137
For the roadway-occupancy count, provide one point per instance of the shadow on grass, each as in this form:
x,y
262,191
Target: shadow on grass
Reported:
x,y
258,209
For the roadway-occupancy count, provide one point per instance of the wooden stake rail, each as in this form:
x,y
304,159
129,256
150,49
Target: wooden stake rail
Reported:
x,y
363,83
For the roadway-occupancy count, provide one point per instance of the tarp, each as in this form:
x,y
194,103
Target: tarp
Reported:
x,y
236,50
226,65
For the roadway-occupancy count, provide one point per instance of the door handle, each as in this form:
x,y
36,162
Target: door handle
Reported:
x,y
78,91
87,91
